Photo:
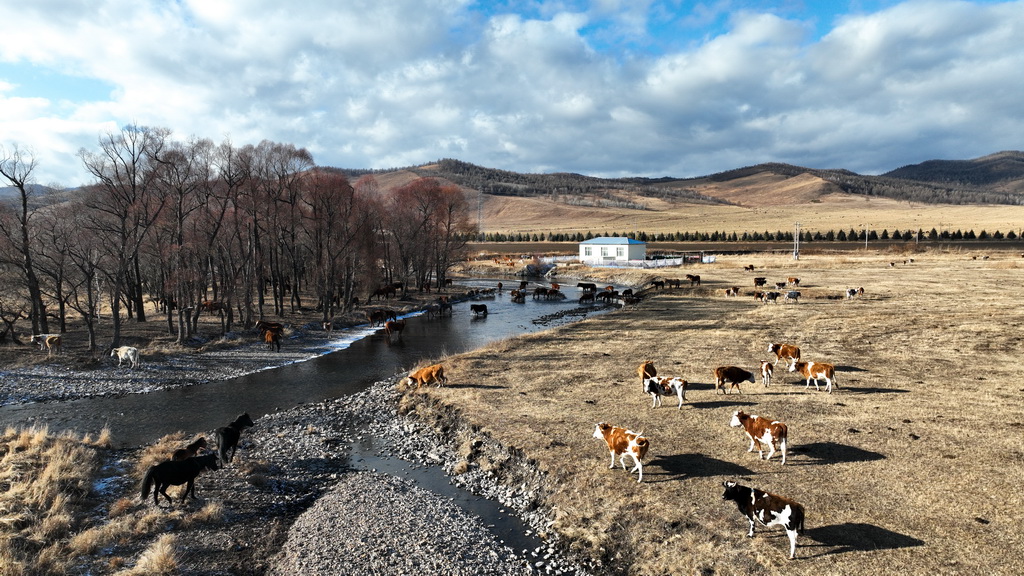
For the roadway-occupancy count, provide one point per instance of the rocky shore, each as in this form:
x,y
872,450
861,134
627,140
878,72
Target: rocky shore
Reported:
x,y
294,500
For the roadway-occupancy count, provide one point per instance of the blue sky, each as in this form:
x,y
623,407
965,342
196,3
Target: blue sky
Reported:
x,y
608,87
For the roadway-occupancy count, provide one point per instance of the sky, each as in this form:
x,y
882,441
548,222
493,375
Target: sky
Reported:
x,y
605,88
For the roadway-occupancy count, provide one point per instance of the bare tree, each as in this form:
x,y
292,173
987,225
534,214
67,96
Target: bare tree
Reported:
x,y
17,167
123,204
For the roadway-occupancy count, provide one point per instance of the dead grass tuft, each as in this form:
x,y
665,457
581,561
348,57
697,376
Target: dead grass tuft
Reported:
x,y
160,558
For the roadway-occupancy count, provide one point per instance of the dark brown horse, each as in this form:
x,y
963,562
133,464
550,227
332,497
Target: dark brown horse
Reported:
x,y
227,437
175,473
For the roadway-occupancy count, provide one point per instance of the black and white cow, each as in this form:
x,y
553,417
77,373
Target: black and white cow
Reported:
x,y
768,509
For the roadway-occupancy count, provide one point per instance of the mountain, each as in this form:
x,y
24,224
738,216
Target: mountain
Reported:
x,y
994,179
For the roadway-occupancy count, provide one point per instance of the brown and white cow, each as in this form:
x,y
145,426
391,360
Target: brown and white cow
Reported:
x,y
658,386
733,376
734,291
767,369
816,371
793,281
790,352
762,432
768,509
623,443
426,375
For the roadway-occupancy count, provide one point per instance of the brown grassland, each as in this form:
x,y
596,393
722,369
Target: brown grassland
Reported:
x,y
913,465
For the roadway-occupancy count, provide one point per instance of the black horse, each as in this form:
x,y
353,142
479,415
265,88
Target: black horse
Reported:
x,y
227,437
176,473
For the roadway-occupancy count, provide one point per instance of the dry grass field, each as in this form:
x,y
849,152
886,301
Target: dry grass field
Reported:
x,y
759,204
913,465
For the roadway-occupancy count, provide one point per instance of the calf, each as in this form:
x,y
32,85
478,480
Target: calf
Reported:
x,y
768,509
190,450
762,432
658,386
394,327
53,344
816,371
788,351
646,370
793,281
622,443
733,376
767,369
432,373
272,339
129,353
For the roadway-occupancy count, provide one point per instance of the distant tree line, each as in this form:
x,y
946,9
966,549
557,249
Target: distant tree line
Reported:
x,y
188,226
852,235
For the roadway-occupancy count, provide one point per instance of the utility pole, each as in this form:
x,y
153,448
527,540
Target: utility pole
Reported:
x,y
796,243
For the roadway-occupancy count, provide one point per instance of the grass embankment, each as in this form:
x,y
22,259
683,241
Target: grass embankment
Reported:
x,y
912,466
57,513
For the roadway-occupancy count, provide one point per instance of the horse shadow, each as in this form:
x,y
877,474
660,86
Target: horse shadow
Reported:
x,y
691,466
832,453
857,537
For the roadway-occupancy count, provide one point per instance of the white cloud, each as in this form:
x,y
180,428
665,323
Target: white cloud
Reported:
x,y
379,84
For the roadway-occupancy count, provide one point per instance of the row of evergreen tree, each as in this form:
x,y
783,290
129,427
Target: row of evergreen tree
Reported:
x,y
852,235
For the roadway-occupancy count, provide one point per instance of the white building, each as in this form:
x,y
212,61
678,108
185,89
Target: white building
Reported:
x,y
605,250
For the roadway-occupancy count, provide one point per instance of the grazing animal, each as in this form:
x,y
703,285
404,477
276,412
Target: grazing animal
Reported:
x,y
780,285
788,351
658,386
767,369
587,297
623,443
674,282
733,376
792,295
328,326
694,279
772,297
851,293
760,281
646,370
212,306
269,327
190,450
53,344
734,291
519,297
273,340
762,432
228,436
768,509
749,268
587,286
432,373
659,284
129,353
175,473
816,371
793,281
394,327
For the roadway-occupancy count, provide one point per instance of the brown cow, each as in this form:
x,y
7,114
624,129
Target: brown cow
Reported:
x,y
273,339
733,376
622,443
793,281
646,370
432,373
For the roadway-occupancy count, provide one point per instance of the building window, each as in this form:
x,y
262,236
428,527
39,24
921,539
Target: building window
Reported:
x,y
588,251
604,251
620,252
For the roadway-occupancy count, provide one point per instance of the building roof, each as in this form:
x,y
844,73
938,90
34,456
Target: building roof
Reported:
x,y
607,240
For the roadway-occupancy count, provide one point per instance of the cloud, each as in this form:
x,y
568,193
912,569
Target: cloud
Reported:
x,y
604,88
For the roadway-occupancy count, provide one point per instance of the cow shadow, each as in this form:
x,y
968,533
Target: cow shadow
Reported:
x,y
712,404
857,537
675,466
832,453
870,390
